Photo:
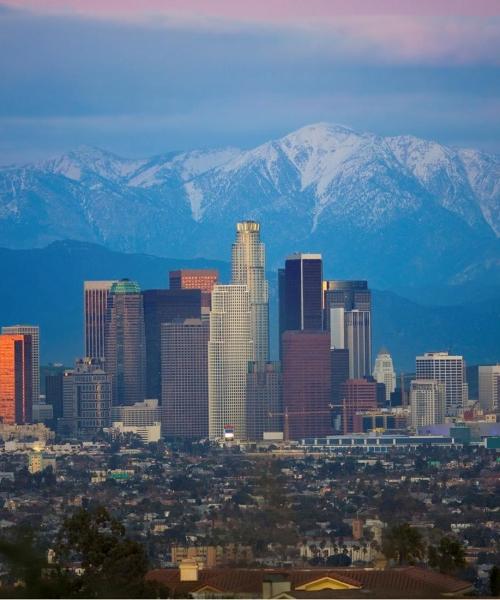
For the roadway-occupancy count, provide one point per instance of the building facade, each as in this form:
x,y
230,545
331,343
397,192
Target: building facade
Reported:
x,y
34,332
264,399
306,383
195,279
16,379
184,368
427,402
383,372
449,370
125,350
230,349
358,395
489,387
95,306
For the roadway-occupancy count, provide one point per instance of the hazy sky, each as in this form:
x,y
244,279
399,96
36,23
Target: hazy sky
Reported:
x,y
141,77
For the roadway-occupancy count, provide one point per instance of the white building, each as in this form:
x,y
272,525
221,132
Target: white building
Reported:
x,y
489,387
383,372
427,402
249,268
34,332
229,351
449,370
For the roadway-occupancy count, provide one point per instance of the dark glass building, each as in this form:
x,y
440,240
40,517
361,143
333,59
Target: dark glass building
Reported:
x,y
54,394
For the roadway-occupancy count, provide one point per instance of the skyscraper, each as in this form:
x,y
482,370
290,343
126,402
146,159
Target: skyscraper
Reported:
x,y
248,268
489,387
449,370
34,332
54,394
427,402
339,359
87,392
16,378
358,395
95,305
307,383
125,349
195,279
184,362
264,399
383,372
229,351
348,318
164,306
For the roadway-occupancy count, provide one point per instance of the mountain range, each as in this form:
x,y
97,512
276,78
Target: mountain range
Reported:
x,y
400,211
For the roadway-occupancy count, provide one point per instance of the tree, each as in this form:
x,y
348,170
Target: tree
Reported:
x,y
403,543
448,556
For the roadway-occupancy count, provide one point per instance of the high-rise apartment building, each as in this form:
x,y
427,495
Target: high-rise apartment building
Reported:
x,y
427,402
195,279
449,370
34,332
264,399
184,368
16,379
164,306
489,387
95,306
87,392
125,350
306,383
383,372
358,395
230,349
347,316
248,267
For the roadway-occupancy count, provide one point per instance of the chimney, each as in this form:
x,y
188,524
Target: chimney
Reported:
x,y
188,570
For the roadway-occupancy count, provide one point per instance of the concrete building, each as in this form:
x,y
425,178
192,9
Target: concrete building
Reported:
x,y
95,306
16,378
306,383
125,343
264,399
427,402
248,267
449,370
142,419
358,395
230,349
383,372
34,332
164,306
489,387
184,359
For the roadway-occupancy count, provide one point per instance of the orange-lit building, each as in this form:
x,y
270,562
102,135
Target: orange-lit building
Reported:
x,y
195,279
16,379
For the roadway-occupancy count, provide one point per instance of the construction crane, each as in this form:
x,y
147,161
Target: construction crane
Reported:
x,y
300,413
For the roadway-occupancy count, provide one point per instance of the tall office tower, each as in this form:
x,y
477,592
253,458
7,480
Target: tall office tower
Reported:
x,y
339,358
164,306
87,393
306,383
95,305
281,310
125,348
195,279
348,318
358,395
34,332
184,376
383,372
248,268
54,394
264,399
449,370
16,379
230,349
427,402
489,387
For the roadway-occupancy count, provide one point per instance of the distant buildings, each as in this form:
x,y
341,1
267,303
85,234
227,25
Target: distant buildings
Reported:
x,y
184,374
358,395
427,402
125,350
34,332
383,372
16,378
195,279
95,306
54,394
142,419
449,370
230,349
264,399
248,268
489,387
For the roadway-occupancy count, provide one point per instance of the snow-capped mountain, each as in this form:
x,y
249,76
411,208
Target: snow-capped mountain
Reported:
x,y
395,209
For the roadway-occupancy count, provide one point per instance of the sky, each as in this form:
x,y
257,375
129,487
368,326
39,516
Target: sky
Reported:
x,y
143,77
